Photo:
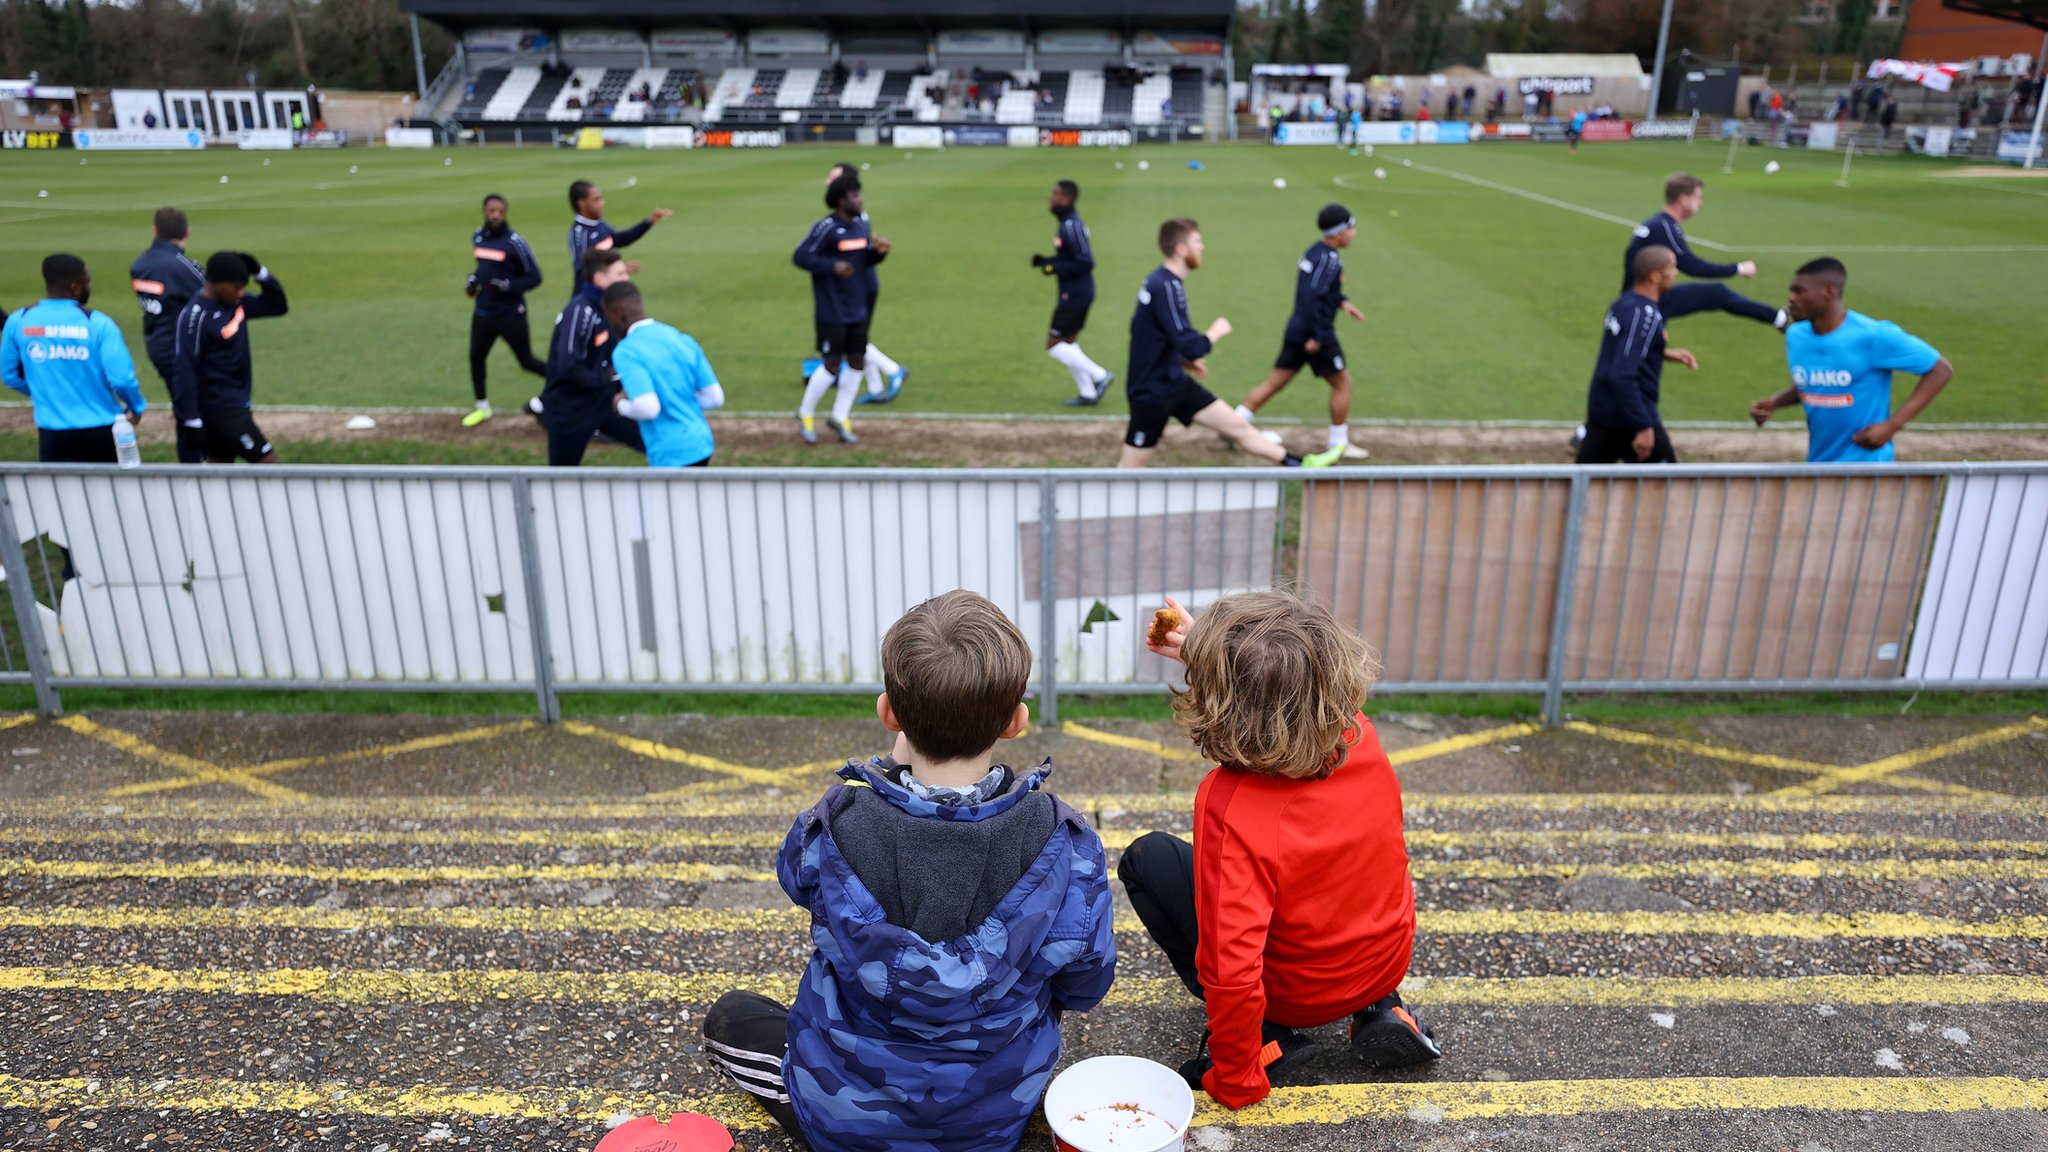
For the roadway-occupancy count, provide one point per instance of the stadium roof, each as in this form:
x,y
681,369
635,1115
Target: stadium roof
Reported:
x,y
1212,16
2033,13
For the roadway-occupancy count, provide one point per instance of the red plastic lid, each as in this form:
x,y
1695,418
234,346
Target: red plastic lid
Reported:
x,y
684,1132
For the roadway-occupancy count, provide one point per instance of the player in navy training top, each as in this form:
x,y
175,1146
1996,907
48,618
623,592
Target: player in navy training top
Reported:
x,y
1311,337
884,376
590,230
1621,405
1073,261
506,270
1165,348
211,374
577,402
165,280
1682,195
834,252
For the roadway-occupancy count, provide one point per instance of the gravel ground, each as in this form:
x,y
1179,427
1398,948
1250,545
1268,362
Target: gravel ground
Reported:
x,y
135,1016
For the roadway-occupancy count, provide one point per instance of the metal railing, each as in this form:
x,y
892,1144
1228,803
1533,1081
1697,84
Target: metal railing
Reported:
x,y
1551,580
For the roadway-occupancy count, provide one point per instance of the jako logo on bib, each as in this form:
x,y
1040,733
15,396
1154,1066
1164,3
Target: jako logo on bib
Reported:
x,y
1801,377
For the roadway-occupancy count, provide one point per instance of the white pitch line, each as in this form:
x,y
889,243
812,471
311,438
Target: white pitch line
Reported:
x,y
1767,249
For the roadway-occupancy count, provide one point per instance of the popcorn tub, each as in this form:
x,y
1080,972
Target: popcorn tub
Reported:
x,y
1119,1104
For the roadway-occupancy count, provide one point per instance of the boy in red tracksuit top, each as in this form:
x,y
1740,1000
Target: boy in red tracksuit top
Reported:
x,y
1293,908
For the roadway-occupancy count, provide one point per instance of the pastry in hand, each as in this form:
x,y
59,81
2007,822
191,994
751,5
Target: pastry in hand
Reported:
x,y
1164,622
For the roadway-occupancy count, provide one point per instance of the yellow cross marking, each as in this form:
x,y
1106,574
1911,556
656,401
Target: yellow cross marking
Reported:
x,y
1823,778
1887,770
195,771
273,767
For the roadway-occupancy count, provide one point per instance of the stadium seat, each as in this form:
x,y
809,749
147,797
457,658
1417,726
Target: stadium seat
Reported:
x,y
734,86
918,98
585,94
1117,98
866,93
540,98
1086,92
1147,97
486,85
766,88
512,93
797,87
1019,105
629,109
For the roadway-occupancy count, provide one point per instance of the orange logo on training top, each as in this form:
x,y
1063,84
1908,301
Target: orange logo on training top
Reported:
x,y
603,335
489,254
603,245
853,244
1827,399
153,287
234,326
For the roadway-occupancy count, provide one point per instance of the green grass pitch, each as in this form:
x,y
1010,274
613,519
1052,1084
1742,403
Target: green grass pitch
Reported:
x,y
1482,303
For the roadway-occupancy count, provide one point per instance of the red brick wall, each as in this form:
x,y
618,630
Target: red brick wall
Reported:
x,y
1935,33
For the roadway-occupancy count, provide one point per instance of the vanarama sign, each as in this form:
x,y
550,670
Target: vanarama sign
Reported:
x,y
1084,138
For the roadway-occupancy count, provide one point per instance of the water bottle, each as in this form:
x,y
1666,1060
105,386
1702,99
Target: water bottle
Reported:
x,y
126,452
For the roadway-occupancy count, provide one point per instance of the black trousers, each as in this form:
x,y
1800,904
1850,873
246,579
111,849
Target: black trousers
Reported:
x,y
566,448
745,1035
1604,445
191,441
1686,299
484,332
1158,873
77,445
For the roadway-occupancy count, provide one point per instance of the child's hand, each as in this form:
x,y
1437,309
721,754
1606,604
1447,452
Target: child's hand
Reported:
x,y
1168,645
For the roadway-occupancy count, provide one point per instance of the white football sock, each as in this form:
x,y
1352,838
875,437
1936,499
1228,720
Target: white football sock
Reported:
x,y
484,405
873,373
1247,415
1070,358
849,388
881,360
1340,434
1096,372
814,391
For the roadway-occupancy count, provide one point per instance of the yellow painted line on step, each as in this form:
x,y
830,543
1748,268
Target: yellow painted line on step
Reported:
x,y
400,748
422,874
1133,743
1755,868
17,720
1465,1100
790,777
612,919
1698,748
654,750
755,802
1448,745
491,985
1420,840
189,836
195,771
1891,766
1323,1105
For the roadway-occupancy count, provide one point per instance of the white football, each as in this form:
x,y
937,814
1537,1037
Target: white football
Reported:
x,y
361,423
223,179
446,161
43,195
1368,149
351,169
1119,165
1144,164
1379,173
266,163
1771,169
1279,182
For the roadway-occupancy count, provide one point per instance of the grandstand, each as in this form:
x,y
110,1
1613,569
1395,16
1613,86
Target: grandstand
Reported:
x,y
839,73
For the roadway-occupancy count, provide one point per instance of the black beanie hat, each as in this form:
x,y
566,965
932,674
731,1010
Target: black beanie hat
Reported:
x,y
1334,218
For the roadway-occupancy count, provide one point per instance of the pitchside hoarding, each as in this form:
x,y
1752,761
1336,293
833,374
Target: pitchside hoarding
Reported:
x,y
107,140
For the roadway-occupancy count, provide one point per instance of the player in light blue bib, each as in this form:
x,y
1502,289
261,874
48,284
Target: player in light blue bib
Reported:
x,y
1842,364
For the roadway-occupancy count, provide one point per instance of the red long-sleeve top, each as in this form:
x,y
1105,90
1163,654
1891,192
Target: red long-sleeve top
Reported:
x,y
1305,909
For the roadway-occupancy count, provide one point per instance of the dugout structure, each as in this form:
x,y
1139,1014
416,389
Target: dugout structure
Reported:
x,y
759,72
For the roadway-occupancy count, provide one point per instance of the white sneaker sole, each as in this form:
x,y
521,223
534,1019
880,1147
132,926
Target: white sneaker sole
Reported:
x,y
1354,452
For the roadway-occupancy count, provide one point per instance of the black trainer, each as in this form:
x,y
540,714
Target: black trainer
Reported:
x,y
1387,1035
1282,1049
1078,401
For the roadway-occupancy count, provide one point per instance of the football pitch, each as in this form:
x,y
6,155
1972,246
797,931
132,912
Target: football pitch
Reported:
x,y
1483,270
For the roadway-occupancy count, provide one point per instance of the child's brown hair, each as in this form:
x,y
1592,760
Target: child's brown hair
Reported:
x,y
1273,684
955,669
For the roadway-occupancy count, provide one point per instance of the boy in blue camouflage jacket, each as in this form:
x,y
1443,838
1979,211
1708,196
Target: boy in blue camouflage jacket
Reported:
x,y
957,909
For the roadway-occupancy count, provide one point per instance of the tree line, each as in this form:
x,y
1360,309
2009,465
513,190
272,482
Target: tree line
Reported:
x,y
363,44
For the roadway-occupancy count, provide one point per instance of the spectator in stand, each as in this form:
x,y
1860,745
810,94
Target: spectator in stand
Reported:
x,y
1500,104
1451,106
1856,98
1756,100
1877,98
1471,94
1421,113
860,71
1966,106
149,120
1394,105
1886,118
1530,101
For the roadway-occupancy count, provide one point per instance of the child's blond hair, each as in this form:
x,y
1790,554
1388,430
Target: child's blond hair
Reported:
x,y
1273,684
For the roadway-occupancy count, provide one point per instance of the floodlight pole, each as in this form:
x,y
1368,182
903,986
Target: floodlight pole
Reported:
x,y
1657,72
419,60
2040,106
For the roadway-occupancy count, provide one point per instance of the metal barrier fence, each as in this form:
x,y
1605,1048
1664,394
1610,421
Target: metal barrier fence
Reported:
x,y
1554,580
